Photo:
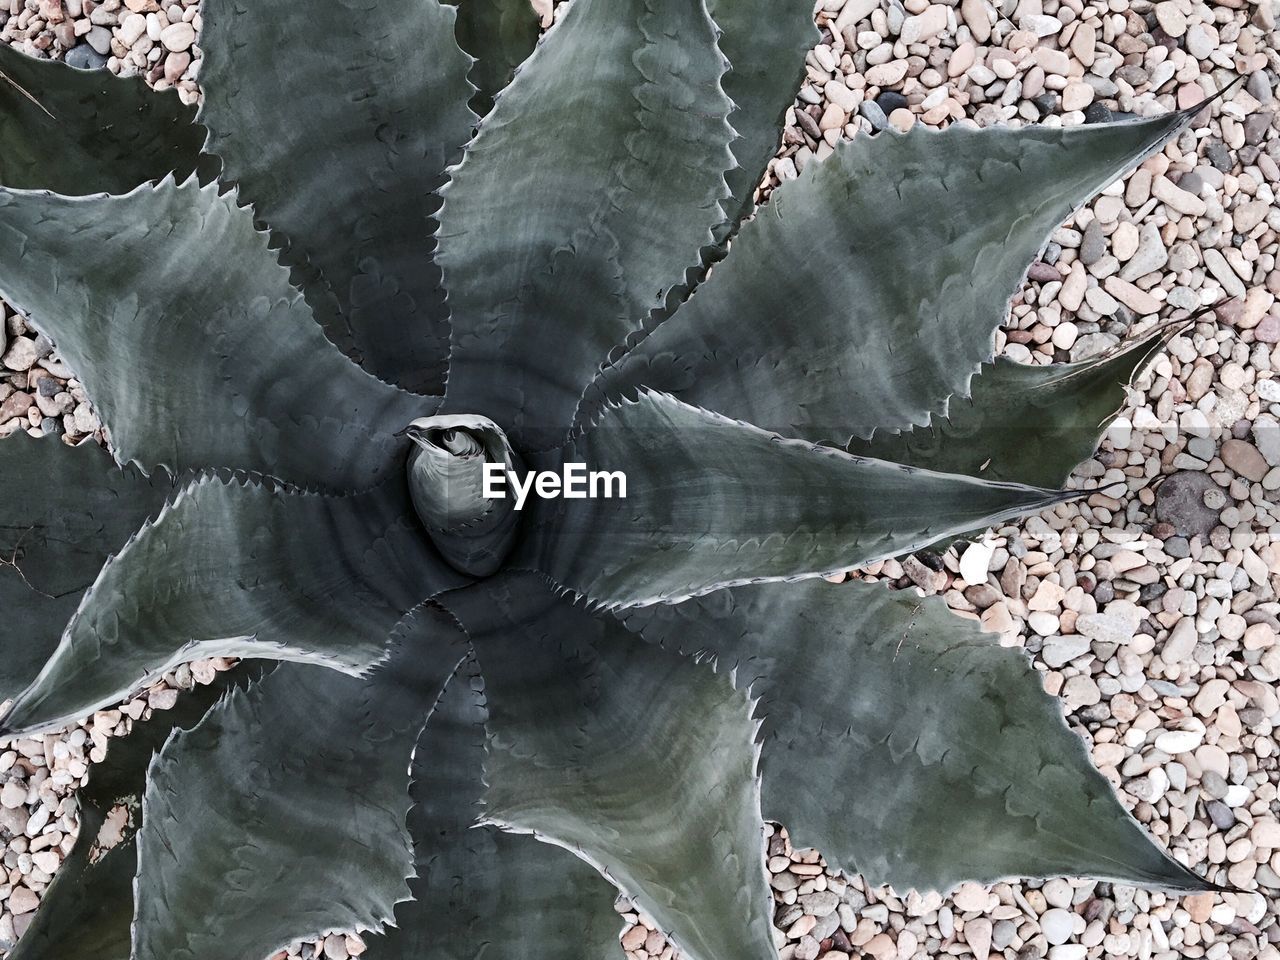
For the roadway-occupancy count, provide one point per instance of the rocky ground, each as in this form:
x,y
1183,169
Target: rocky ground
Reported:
x,y
1152,613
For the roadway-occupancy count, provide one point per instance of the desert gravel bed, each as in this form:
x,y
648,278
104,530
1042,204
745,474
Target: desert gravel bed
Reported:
x,y
1151,608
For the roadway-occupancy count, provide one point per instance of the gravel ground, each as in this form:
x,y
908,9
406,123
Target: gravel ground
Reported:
x,y
1153,614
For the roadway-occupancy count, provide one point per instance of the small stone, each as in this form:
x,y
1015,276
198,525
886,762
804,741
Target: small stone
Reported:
x,y
1248,215
1077,95
1199,43
1080,691
1180,502
15,405
1117,624
926,26
820,903
1094,245
178,36
1222,272
1199,906
887,74
84,57
1137,300
1212,695
977,933
1150,256
132,28
175,65
1174,742
634,938
1266,834
974,561
881,946
1059,651
1057,925
1172,20
99,38
970,898
1220,815
1057,893
1098,112
13,795
1256,126
977,18
1177,198
874,115
961,59
21,355
22,900
802,927
1244,458
902,120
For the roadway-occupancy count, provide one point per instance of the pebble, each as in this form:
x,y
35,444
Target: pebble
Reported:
x,y
1178,199
1180,501
1136,299
1057,925
178,36
1244,458
977,933
1174,742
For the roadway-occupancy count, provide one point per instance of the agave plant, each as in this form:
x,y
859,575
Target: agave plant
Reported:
x,y
301,424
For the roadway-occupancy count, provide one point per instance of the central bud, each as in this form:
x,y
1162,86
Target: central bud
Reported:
x,y
473,533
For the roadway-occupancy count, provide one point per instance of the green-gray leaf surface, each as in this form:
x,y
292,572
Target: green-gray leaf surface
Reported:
x,y
85,913
238,569
191,342
640,761
346,165
86,131
1022,424
500,34
865,294
283,814
948,759
52,545
767,65
592,187
479,890
713,503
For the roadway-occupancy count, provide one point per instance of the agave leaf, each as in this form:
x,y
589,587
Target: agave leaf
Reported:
x,y
766,68
87,131
866,293
347,166
556,244
282,815
84,915
232,569
713,503
500,34
947,759
63,511
1023,424
478,889
192,367
639,761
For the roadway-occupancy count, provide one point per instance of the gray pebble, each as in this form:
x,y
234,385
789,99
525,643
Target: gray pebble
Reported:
x,y
1220,814
1180,500
874,115
1094,244
84,57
